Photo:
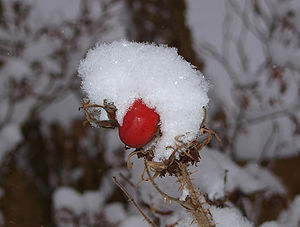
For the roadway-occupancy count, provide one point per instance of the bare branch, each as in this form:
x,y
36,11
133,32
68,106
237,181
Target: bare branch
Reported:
x,y
130,199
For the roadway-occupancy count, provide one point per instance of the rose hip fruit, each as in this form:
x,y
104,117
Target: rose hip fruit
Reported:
x,y
139,125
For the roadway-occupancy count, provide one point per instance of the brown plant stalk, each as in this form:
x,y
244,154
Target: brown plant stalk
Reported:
x,y
130,199
193,204
200,213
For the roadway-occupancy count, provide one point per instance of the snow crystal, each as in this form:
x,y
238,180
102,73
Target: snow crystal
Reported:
x,y
228,217
123,71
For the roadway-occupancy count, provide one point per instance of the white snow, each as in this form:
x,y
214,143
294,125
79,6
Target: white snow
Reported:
x,y
67,198
115,213
93,201
68,106
283,8
281,48
123,71
270,224
206,20
284,55
223,217
10,135
16,68
136,220
211,171
53,12
185,193
229,217
272,183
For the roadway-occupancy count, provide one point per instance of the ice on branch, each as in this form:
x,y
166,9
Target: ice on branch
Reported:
x,y
122,72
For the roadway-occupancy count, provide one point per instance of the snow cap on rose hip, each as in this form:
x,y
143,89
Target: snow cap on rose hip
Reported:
x,y
123,72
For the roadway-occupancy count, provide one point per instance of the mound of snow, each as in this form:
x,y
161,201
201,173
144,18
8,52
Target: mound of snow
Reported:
x,y
215,166
68,198
228,217
123,71
223,217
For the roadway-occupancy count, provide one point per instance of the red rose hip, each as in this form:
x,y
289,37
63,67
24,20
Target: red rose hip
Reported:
x,y
139,125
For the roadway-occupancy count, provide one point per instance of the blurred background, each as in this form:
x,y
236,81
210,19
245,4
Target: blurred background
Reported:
x,y
248,50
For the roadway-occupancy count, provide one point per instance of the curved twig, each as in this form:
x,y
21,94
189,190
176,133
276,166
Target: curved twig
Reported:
x,y
130,199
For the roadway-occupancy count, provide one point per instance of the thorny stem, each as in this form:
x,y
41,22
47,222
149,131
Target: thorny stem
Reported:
x,y
201,214
130,199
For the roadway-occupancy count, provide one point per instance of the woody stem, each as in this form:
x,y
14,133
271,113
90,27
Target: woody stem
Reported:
x,y
201,214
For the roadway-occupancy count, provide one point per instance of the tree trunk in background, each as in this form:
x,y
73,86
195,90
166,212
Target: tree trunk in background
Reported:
x,y
162,21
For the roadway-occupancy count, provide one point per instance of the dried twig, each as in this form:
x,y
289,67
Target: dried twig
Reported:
x,y
130,199
201,215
